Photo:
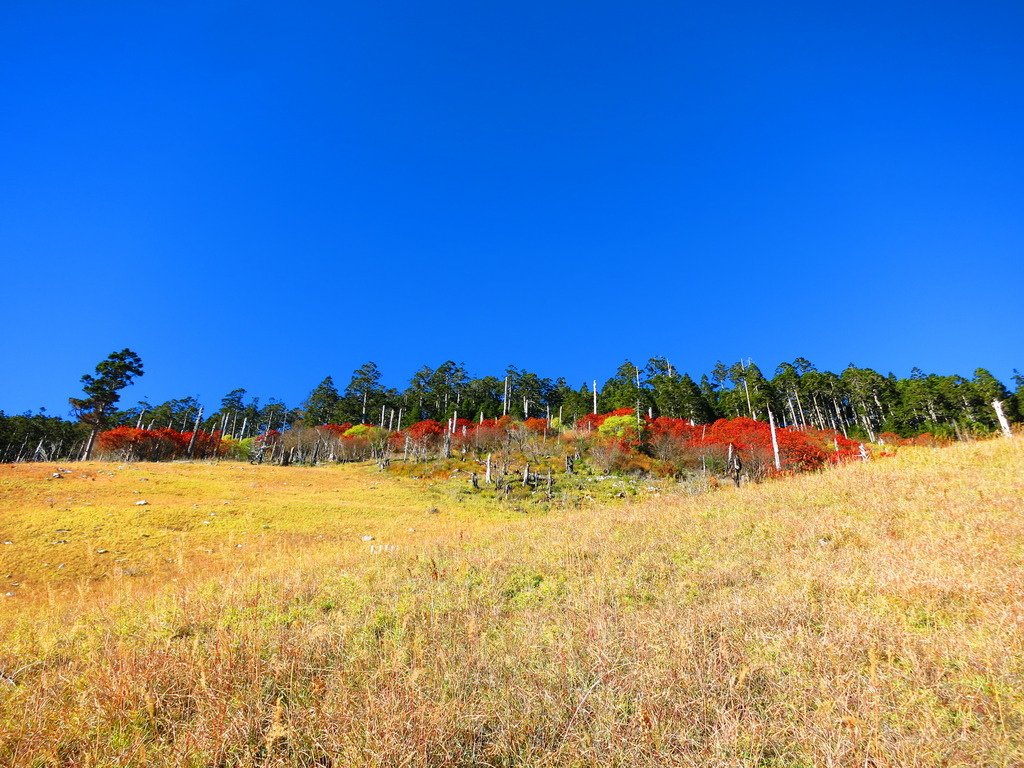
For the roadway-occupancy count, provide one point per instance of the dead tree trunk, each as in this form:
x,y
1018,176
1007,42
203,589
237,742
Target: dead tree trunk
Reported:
x,y
1004,425
195,431
775,440
87,450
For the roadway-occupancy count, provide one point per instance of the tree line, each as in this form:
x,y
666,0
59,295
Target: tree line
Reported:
x,y
860,403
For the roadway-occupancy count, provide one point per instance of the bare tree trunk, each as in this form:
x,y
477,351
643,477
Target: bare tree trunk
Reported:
x,y
775,441
1004,425
800,407
839,415
595,397
746,389
195,431
87,449
487,475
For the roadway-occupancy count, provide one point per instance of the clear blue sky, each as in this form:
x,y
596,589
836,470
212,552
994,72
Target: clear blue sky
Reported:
x,y
259,195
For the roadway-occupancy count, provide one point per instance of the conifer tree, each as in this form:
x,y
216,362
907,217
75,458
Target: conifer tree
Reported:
x,y
102,393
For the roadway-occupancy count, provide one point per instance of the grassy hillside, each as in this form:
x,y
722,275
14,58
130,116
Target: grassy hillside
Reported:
x,y
869,615
91,523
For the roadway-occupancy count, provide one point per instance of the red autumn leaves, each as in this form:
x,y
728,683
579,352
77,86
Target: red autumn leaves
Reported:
x,y
662,445
162,444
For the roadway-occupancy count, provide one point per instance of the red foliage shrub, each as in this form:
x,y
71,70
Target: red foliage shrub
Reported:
x,y
337,430
679,429
488,434
423,434
425,431
462,426
539,426
159,444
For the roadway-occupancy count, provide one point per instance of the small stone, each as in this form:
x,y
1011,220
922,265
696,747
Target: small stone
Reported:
x,y
57,476
367,538
102,551
8,542
141,503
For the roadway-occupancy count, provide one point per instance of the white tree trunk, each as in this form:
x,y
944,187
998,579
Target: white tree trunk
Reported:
x,y
775,440
195,431
1003,423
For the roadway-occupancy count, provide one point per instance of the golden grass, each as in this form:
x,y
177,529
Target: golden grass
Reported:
x,y
88,525
870,615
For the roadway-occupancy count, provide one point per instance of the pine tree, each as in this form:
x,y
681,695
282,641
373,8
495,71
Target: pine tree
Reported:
x,y
321,407
102,393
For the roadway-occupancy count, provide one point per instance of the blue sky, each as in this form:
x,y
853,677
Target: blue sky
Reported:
x,y
256,195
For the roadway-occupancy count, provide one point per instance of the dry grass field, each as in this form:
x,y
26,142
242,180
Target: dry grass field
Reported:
x,y
871,615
